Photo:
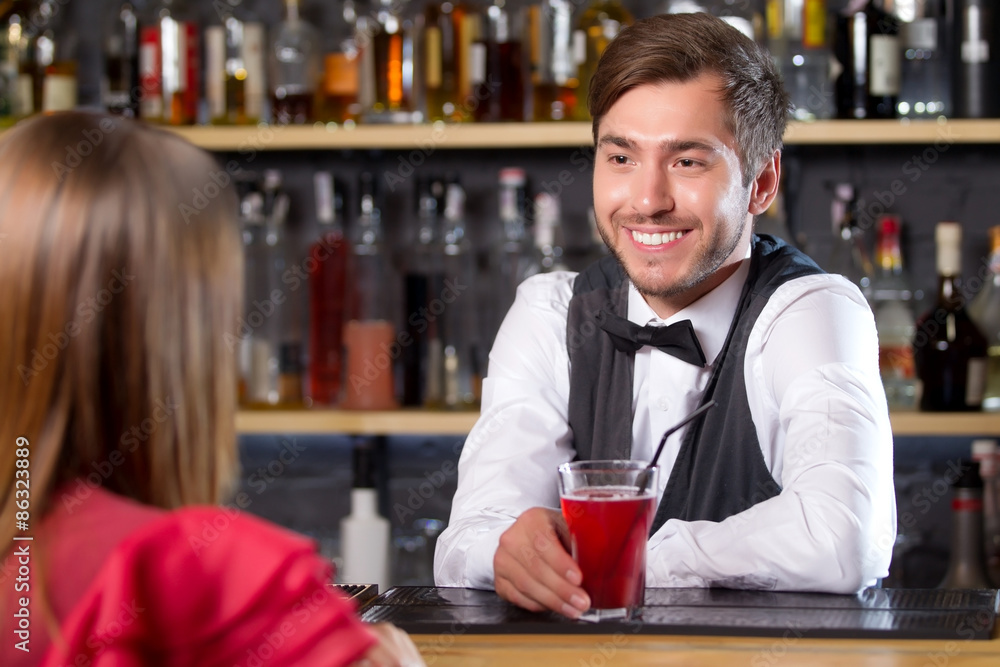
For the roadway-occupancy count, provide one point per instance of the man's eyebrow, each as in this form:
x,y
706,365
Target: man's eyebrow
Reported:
x,y
669,146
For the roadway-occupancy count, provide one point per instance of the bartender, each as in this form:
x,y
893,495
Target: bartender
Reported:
x,y
787,483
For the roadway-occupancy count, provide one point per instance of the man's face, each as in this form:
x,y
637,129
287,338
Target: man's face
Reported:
x,y
668,191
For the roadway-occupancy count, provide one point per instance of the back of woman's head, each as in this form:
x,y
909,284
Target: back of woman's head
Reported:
x,y
121,266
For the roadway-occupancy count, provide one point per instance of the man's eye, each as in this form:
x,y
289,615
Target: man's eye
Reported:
x,y
619,159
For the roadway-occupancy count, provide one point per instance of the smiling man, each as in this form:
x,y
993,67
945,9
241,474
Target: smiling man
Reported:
x,y
787,483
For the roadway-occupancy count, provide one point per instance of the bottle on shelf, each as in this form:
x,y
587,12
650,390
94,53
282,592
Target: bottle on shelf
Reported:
x,y
57,56
498,69
925,76
327,269
20,37
169,64
866,43
976,60
892,299
422,271
849,256
966,563
598,25
512,258
293,61
391,53
949,350
235,44
984,309
337,98
552,58
369,334
798,41
548,236
986,452
120,81
453,381
8,70
365,534
448,30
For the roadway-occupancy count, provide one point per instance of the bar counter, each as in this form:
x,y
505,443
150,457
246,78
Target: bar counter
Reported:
x,y
718,627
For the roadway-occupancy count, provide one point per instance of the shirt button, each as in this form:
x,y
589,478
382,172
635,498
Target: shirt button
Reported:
x,y
663,403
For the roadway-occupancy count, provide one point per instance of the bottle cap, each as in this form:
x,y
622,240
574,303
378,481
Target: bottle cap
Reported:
x,y
512,176
948,237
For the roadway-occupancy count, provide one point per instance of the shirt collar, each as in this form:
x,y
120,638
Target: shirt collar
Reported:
x,y
711,315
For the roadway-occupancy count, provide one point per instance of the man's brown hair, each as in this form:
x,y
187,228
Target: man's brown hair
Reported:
x,y
682,47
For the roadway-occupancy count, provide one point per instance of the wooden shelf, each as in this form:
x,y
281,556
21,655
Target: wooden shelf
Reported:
x,y
425,422
441,136
401,422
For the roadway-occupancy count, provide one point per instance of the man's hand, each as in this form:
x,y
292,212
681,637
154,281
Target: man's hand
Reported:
x,y
533,569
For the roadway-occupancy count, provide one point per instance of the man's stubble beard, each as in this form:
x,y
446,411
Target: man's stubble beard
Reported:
x,y
706,264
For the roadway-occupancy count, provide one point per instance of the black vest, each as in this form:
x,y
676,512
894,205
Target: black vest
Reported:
x,y
719,470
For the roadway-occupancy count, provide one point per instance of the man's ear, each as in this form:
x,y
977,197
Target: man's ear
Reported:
x,y
764,187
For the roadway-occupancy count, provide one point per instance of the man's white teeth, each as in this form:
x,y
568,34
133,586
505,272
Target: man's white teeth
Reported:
x,y
656,239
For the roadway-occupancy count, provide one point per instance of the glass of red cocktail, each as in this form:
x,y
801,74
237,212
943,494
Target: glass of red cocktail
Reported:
x,y
609,521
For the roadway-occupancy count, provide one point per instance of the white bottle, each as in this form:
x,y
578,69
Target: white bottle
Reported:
x,y
364,533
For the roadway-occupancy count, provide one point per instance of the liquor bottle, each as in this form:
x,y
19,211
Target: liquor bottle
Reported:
x,y
8,67
975,94
512,259
598,25
849,256
327,267
119,85
987,454
925,76
867,45
966,564
552,57
337,98
548,236
392,58
22,34
452,367
949,350
446,60
169,64
894,319
234,65
984,309
370,334
499,69
364,533
293,60
797,38
57,56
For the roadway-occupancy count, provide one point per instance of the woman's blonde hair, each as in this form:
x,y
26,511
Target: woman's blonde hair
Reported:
x,y
121,263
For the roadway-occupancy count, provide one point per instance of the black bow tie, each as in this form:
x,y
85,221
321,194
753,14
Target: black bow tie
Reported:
x,y
677,339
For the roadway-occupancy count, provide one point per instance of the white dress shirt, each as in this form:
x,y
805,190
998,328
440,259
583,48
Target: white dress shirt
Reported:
x,y
817,402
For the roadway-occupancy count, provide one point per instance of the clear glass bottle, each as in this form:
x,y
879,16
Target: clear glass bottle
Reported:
x,y
21,36
119,85
976,60
925,76
235,44
370,334
984,309
798,40
554,80
966,564
391,50
499,69
169,63
598,25
892,300
337,98
867,45
57,55
548,236
949,350
328,288
849,256
445,53
293,60
512,255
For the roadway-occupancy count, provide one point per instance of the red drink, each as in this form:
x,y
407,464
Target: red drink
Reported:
x,y
608,527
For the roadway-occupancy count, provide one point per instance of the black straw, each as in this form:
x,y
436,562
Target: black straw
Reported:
x,y
642,480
